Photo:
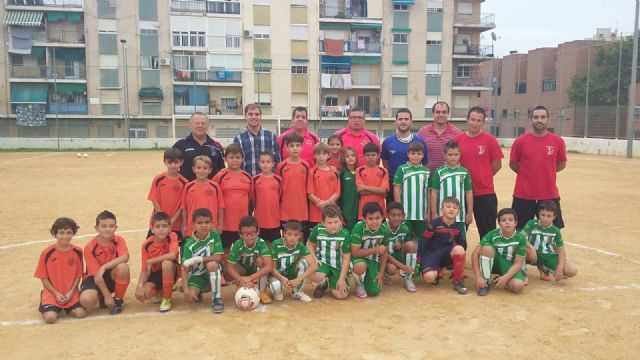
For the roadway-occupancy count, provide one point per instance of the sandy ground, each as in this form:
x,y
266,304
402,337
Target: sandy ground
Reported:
x,y
593,316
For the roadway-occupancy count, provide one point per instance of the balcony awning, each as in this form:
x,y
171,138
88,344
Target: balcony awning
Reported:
x,y
69,88
29,93
262,61
23,18
333,26
299,60
400,30
69,54
150,92
366,26
56,16
336,61
404,2
366,60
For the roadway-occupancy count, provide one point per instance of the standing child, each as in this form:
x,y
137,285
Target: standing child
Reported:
x,y
545,247
453,180
159,257
166,190
501,252
201,262
335,146
402,247
292,262
202,193
372,181
349,200
369,241
249,260
267,192
330,244
410,188
107,275
323,185
442,244
236,186
294,173
60,270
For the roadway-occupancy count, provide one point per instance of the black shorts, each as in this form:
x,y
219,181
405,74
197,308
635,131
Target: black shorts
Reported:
x,y
228,238
50,307
434,259
270,235
155,277
90,283
528,209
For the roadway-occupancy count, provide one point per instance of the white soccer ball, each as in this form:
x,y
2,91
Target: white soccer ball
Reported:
x,y
78,155
247,299
85,155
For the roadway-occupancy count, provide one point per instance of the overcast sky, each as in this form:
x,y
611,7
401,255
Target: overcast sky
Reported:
x,y
528,24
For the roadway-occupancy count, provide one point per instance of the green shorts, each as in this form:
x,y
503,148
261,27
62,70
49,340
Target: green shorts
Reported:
x,y
291,272
501,266
331,274
548,261
373,268
200,282
416,228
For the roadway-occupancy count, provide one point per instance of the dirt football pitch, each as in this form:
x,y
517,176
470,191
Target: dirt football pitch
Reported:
x,y
595,315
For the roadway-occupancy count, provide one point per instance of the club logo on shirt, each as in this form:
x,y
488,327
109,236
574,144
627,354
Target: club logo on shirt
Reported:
x,y
392,152
209,192
309,142
176,188
71,262
482,149
550,149
364,142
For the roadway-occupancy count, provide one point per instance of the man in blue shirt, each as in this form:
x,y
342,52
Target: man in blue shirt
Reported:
x,y
254,139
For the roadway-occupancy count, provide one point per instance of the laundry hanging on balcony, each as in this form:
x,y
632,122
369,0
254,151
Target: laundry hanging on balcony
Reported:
x,y
334,47
346,81
27,116
20,40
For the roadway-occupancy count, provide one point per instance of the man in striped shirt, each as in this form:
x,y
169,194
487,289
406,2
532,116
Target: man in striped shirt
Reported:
x,y
437,134
253,140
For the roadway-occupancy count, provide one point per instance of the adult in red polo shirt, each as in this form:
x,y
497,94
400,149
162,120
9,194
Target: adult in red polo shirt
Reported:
x,y
437,134
480,153
536,157
355,134
299,121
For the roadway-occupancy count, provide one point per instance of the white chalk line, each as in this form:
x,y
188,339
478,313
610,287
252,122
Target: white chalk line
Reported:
x,y
30,158
603,252
632,286
23,244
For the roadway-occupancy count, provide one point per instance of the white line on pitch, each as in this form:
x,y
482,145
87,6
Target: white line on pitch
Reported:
x,y
632,286
23,244
603,252
30,158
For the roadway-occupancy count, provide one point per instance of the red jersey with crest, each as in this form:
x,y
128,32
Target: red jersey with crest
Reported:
x,y
61,268
237,188
152,249
267,192
97,254
476,155
322,183
202,195
372,176
167,192
293,202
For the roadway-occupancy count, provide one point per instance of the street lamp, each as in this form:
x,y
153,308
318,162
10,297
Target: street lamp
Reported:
x,y
126,91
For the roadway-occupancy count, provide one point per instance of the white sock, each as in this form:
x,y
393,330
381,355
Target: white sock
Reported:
x,y
359,279
486,264
276,287
262,282
410,260
302,267
215,279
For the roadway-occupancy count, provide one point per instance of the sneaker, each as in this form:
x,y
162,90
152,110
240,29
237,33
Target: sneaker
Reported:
x,y
117,307
459,287
278,296
319,291
386,279
483,291
217,306
410,285
265,298
544,276
361,293
165,305
157,299
300,295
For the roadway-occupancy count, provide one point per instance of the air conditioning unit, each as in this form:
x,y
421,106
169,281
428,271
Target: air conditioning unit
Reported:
x,y
165,61
246,33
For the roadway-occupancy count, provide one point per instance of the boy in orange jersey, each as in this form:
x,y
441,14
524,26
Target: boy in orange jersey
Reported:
x,y
294,172
267,191
372,181
107,275
159,257
166,190
202,193
323,184
237,187
60,270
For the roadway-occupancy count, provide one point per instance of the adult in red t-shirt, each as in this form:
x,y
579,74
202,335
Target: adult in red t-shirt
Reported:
x,y
299,122
480,153
536,157
356,134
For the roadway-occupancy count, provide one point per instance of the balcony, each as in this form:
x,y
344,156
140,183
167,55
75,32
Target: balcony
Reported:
x,y
188,6
481,22
365,79
67,108
190,109
477,52
47,3
223,7
358,47
217,75
357,10
58,36
64,72
470,82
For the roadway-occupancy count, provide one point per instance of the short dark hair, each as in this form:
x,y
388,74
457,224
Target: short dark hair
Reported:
x,y
201,212
539,107
476,109
416,147
404,110
450,200
394,205
248,221
233,149
252,106
334,137
371,148
299,109
267,153
371,208
548,205
172,154
64,223
451,145
105,215
293,137
433,108
331,210
507,211
160,216
292,225
354,109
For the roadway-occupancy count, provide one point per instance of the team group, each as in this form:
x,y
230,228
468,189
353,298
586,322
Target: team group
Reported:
x,y
326,211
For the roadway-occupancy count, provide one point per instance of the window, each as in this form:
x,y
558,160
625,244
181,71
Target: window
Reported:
x,y
189,39
148,10
434,42
400,7
364,102
399,85
549,85
107,43
261,36
138,133
149,62
106,9
151,108
465,8
331,100
463,72
262,68
521,87
435,9
232,42
400,38
109,78
110,109
299,69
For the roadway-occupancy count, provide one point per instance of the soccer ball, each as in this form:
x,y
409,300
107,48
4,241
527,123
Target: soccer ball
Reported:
x,y
247,298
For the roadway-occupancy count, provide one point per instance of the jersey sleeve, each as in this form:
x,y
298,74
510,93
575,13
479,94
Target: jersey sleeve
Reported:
x,y
514,155
41,269
79,264
313,237
186,251
434,181
562,150
356,234
145,256
215,244
216,177
521,249
397,178
387,235
559,242
337,189
153,191
346,244
263,249
384,150
359,179
121,248
467,181
303,250
92,263
487,240
385,179
174,248
221,203
234,253
495,152
528,227
311,189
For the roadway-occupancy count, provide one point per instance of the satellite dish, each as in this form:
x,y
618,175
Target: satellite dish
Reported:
x,y
493,36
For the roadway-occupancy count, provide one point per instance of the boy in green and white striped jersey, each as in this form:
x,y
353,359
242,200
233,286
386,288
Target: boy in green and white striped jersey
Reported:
x,y
292,263
402,247
331,245
410,188
545,247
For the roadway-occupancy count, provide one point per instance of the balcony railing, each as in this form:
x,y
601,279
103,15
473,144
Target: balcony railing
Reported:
x,y
343,12
358,46
473,50
365,78
223,7
52,3
67,108
59,36
472,81
190,109
71,72
211,75
191,6
484,20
